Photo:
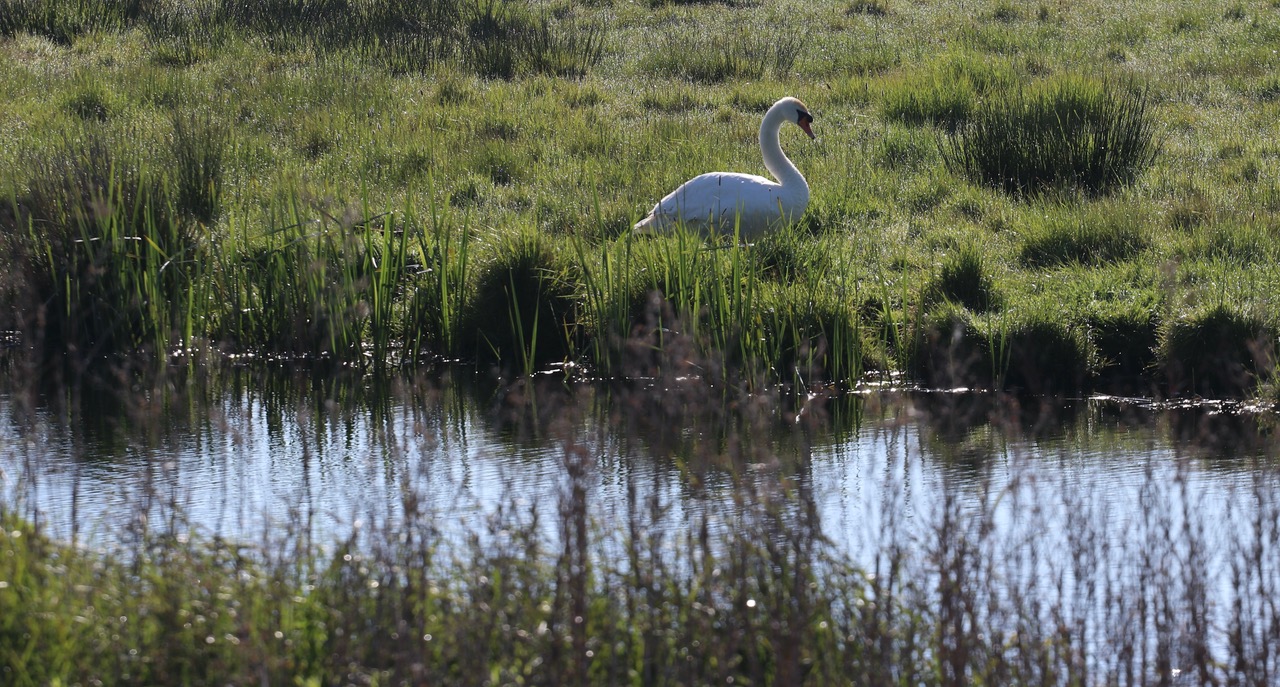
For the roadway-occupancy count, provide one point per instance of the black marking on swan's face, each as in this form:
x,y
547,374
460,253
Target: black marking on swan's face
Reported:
x,y
804,119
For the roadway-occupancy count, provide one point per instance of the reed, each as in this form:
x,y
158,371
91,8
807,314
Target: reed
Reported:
x,y
326,286
103,263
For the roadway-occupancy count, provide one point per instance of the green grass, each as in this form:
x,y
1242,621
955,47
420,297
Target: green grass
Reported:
x,y
1098,235
1065,133
350,174
1045,199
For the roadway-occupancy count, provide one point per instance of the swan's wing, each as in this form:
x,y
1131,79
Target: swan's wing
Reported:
x,y
715,201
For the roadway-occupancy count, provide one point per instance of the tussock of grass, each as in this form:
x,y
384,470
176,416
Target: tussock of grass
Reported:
x,y
1125,336
522,310
815,337
949,351
1065,133
1217,352
713,58
964,279
506,40
935,101
1190,208
103,264
1039,353
944,93
875,8
92,101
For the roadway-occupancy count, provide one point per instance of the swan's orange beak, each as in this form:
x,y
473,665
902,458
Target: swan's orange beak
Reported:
x,y
804,120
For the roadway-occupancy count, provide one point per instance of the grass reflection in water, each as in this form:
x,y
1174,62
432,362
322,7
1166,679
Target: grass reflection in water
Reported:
x,y
238,526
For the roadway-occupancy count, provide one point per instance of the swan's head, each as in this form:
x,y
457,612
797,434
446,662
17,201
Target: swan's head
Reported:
x,y
795,111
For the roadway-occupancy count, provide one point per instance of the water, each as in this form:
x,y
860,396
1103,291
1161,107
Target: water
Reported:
x,y
1077,501
249,454
1082,513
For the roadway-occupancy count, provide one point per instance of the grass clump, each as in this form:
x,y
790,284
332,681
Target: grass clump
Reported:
x,y
1125,334
1039,353
905,149
505,39
964,279
944,94
103,263
1229,242
1066,133
522,309
874,8
1218,352
948,351
741,55
92,101
440,295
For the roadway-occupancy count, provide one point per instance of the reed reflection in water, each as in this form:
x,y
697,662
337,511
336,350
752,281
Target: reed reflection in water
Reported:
x,y
1118,523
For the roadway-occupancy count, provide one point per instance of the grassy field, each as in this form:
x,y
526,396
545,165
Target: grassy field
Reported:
x,y
1051,197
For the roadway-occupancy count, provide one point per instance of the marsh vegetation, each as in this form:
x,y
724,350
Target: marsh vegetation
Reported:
x,y
1038,199
400,183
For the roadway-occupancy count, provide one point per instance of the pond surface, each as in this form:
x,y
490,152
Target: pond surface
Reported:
x,y
1104,514
248,454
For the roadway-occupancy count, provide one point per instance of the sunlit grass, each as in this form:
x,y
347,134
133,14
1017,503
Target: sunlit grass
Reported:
x,y
498,119
386,181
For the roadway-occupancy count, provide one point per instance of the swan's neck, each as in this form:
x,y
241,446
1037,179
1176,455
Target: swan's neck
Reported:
x,y
774,159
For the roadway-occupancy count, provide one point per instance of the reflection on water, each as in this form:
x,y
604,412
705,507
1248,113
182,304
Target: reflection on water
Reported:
x,y
241,452
1116,521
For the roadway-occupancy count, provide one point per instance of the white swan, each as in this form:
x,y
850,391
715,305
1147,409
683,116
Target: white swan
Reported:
x,y
717,201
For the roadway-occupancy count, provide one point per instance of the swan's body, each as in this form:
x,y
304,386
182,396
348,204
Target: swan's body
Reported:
x,y
722,202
